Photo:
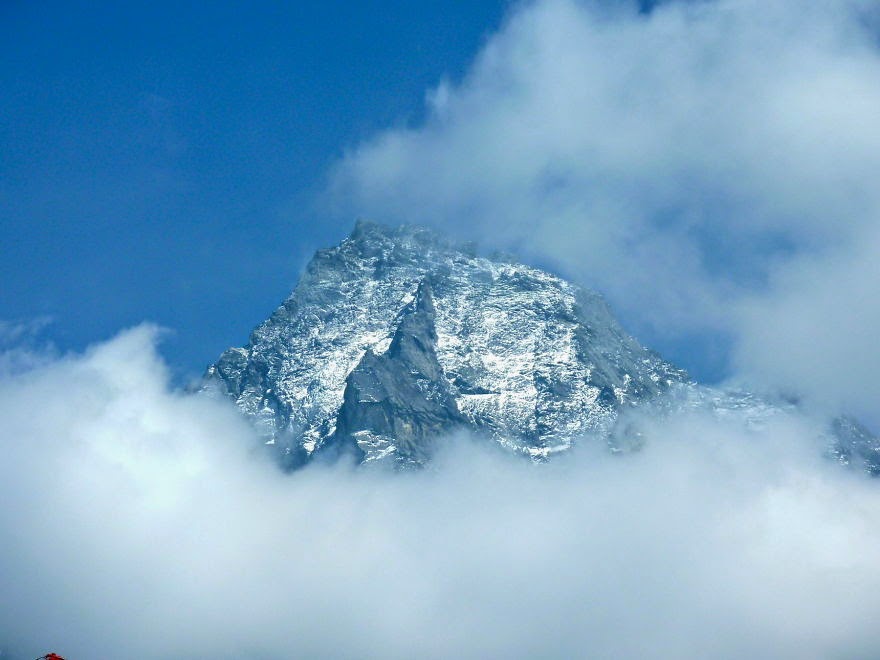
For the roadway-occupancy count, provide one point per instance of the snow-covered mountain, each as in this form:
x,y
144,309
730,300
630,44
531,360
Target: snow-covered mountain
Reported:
x,y
397,337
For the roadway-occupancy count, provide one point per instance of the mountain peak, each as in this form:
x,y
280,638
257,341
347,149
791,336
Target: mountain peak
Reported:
x,y
444,338
406,237
398,336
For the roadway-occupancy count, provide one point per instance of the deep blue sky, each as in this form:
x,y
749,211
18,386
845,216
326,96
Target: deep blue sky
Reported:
x,y
158,162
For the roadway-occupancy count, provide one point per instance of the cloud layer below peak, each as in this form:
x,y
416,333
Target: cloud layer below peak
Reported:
x,y
144,522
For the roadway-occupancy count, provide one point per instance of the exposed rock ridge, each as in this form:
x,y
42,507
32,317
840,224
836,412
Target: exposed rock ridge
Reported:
x,y
396,404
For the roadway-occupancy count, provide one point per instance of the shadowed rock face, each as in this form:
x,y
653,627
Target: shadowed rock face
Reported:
x,y
397,337
398,403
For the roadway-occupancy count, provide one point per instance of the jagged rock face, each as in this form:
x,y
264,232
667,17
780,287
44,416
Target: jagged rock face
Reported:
x,y
398,403
396,337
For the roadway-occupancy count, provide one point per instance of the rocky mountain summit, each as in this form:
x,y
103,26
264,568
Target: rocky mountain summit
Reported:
x,y
397,338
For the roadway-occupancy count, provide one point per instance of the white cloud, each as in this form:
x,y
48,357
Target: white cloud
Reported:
x,y
696,164
138,521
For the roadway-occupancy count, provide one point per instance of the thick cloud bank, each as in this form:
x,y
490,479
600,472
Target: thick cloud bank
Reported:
x,y
712,166
139,522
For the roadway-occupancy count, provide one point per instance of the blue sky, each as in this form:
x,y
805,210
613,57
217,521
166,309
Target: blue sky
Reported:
x,y
159,160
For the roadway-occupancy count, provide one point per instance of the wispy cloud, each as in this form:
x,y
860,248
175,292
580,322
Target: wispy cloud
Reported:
x,y
15,333
22,346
